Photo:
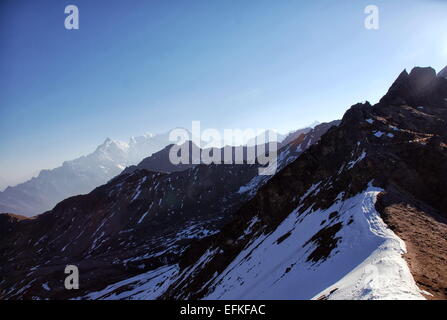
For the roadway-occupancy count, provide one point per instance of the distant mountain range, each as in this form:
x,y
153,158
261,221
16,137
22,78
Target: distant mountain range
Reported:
x,y
82,175
79,176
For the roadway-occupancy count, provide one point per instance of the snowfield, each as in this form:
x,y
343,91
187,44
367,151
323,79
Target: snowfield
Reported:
x,y
366,264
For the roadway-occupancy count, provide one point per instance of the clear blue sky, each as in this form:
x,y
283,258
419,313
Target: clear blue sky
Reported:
x,y
147,66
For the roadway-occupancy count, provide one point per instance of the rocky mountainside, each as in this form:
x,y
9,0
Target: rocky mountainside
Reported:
x,y
139,221
356,210
335,223
78,176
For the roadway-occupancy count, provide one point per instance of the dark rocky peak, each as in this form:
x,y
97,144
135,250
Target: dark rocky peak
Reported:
x,y
356,113
417,88
422,79
160,162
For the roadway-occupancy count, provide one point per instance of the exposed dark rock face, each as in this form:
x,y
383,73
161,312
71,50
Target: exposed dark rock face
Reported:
x,y
325,241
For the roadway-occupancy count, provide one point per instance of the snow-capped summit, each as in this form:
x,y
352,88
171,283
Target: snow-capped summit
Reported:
x,y
143,146
113,150
79,176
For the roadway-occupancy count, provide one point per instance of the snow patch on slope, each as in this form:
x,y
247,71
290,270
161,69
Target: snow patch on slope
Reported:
x,y
146,286
352,163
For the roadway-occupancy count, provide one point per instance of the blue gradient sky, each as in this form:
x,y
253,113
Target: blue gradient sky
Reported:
x,y
147,66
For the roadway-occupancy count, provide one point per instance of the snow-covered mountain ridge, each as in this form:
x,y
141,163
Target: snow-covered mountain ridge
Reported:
x,y
79,176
